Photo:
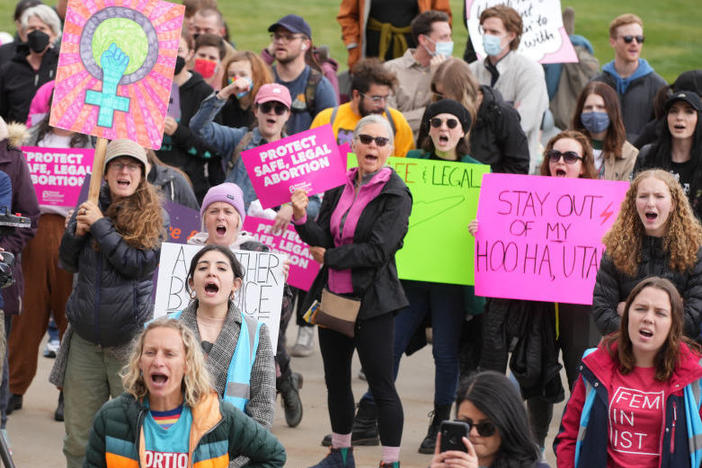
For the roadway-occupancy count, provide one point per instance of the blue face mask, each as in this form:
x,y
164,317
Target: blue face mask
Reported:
x,y
491,44
243,93
444,48
595,122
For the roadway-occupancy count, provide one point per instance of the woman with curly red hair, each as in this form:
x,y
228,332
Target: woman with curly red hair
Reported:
x,y
656,233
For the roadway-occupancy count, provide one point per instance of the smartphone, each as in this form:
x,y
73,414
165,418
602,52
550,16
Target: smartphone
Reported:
x,y
452,433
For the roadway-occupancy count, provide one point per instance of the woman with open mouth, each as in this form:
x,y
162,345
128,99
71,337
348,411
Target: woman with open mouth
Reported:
x,y
679,146
568,154
360,227
655,234
170,415
637,400
114,247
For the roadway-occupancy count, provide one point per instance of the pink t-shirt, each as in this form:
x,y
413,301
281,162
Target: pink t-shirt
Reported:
x,y
635,419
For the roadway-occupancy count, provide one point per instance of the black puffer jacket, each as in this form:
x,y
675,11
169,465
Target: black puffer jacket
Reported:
x,y
112,297
497,137
378,236
612,286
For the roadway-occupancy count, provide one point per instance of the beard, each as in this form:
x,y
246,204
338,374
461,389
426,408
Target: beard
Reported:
x,y
364,111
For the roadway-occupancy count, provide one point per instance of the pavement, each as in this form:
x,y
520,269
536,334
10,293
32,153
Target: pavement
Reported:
x,y
36,439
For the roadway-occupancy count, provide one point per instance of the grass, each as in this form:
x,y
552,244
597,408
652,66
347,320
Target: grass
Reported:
x,y
672,27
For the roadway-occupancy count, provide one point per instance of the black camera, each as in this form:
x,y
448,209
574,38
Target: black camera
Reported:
x,y
8,223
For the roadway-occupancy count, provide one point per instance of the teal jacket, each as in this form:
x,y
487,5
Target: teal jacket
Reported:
x,y
219,433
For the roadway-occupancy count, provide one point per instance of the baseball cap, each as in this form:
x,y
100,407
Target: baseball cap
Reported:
x,y
294,24
273,92
689,97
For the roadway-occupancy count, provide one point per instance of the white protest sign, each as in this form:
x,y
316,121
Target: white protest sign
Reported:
x,y
544,38
260,296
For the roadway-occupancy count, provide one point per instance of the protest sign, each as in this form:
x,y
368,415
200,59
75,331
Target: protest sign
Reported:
x,y
540,238
184,222
303,268
260,296
544,39
116,67
308,160
58,174
438,247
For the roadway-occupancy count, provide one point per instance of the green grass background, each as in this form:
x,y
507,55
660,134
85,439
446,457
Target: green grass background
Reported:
x,y
673,28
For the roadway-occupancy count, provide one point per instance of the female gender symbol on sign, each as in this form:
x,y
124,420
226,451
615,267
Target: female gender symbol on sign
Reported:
x,y
129,36
116,67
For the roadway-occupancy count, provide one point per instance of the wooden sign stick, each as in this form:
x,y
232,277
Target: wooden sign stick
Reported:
x,y
98,170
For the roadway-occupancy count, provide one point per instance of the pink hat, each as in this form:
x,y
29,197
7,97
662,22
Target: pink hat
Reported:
x,y
273,92
40,104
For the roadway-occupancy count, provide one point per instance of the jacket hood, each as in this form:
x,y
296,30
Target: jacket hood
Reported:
x,y
687,370
623,83
17,134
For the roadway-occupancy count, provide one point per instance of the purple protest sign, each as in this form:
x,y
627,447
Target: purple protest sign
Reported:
x,y
308,160
303,269
184,222
540,238
58,174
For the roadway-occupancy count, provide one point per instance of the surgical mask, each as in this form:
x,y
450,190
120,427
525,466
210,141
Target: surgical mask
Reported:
x,y
37,40
205,67
444,48
595,122
492,45
179,65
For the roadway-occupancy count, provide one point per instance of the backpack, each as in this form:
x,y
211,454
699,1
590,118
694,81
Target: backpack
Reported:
x,y
574,77
310,89
332,118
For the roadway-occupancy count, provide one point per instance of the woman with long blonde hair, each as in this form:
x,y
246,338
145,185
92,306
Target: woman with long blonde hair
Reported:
x,y
114,247
655,234
169,402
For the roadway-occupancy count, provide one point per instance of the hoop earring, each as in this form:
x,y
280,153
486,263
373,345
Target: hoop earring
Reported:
x,y
231,296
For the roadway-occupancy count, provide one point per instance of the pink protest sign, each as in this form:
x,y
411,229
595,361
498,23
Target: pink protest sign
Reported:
x,y
540,238
58,173
116,67
544,39
303,269
308,160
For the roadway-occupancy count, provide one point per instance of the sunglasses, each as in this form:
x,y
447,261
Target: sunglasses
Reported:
x,y
380,141
279,108
485,428
450,123
629,39
570,157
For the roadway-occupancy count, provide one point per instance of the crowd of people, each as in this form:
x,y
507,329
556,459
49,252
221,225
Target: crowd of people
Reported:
x,y
200,385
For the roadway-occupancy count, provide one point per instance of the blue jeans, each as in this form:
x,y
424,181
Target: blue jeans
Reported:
x,y
444,305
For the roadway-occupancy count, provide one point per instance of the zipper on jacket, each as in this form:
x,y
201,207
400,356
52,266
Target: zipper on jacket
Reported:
x,y
203,436
672,435
140,422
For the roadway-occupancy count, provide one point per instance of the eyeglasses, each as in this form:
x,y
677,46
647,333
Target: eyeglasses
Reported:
x,y
131,167
570,157
628,39
376,99
380,141
279,108
285,37
450,123
485,428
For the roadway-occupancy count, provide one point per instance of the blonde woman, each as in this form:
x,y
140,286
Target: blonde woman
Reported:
x,y
171,413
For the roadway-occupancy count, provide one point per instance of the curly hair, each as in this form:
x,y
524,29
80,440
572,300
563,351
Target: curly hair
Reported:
x,y
668,355
682,239
588,159
138,218
197,381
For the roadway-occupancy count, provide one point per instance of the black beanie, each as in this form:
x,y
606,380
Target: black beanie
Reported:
x,y
449,106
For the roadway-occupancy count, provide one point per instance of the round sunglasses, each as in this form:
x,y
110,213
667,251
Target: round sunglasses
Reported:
x,y
485,428
450,123
570,157
278,107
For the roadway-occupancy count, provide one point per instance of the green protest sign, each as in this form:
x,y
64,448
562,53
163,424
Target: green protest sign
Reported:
x,y
438,247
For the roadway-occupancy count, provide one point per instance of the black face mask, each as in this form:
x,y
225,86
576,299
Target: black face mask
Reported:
x,y
180,63
37,41
195,36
